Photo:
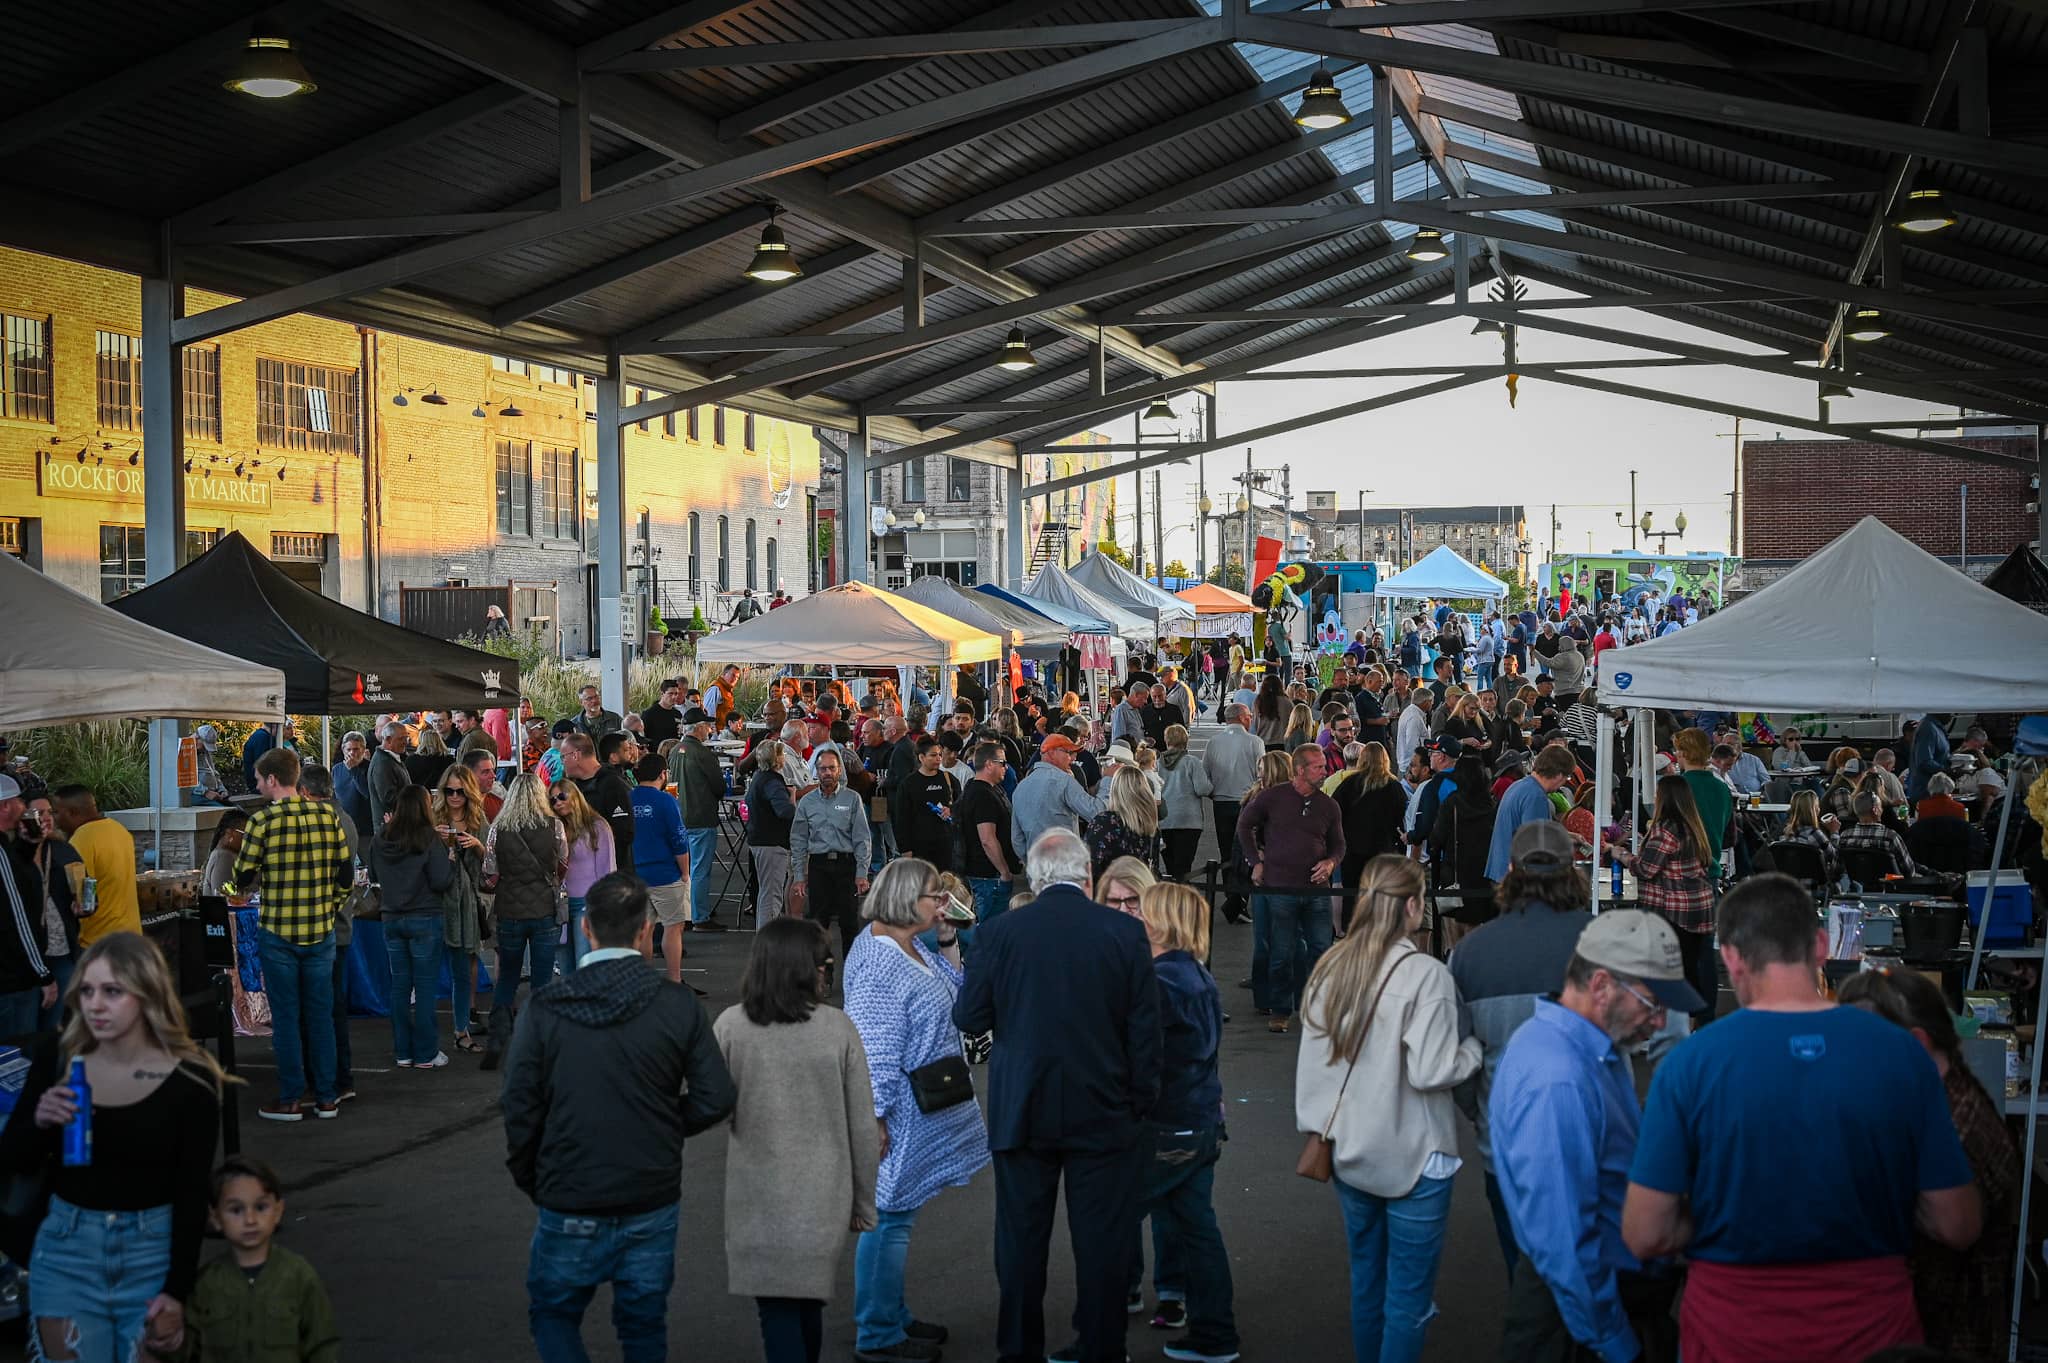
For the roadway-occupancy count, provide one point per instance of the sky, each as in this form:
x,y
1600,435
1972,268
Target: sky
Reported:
x,y
1558,445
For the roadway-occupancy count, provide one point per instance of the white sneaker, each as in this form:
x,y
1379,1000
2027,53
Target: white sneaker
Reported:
x,y
440,1059
405,1064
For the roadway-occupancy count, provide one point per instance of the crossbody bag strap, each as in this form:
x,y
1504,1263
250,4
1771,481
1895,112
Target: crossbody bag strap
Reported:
x,y
1372,1011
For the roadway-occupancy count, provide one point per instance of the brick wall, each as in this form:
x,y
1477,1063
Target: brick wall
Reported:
x,y
1800,494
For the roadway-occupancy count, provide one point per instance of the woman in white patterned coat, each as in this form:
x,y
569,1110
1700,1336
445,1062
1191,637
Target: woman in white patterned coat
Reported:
x,y
899,993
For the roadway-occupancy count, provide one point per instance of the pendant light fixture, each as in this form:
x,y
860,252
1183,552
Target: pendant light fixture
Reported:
x,y
270,69
434,399
774,262
1322,103
1159,418
1016,352
511,409
1427,247
1866,324
1830,390
1923,209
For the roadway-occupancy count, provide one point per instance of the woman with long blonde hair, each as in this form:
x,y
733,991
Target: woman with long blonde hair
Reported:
x,y
1129,826
1301,727
529,853
458,813
1379,1057
116,1255
1123,883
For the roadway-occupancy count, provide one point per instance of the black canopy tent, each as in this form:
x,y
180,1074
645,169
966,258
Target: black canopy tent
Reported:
x,y
2022,578
335,659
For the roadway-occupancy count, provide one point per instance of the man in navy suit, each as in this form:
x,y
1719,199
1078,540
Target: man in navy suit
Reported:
x,y
1068,988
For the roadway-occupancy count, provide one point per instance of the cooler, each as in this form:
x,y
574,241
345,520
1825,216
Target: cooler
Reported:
x,y
13,1076
2011,918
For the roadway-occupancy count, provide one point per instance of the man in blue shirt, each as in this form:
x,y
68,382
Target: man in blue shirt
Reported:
x,y
661,857
1930,753
1526,801
1564,1117
1791,1151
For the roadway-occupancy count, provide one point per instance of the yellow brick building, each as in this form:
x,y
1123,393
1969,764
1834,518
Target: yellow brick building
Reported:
x,y
368,463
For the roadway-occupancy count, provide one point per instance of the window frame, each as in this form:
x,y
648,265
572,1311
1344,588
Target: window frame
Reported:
x,y
512,485
774,572
130,567
747,432
559,505
959,479
34,401
693,425
200,393
276,412
718,426
117,380
695,565
916,466
753,540
725,553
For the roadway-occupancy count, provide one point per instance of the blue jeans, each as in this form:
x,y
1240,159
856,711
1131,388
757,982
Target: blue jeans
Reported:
x,y
1299,932
1483,675
991,899
1395,1245
412,941
1169,1267
1180,1183
879,1316
792,1329
62,967
299,981
573,1254
517,937
99,1271
1503,1227
461,988
703,855
577,946
881,845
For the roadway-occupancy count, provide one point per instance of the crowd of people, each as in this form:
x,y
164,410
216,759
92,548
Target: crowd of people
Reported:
x,y
1003,897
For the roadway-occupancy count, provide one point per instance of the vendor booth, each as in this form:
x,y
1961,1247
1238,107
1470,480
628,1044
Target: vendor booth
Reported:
x,y
1870,624
1443,574
1019,629
1110,580
1055,584
1219,612
852,625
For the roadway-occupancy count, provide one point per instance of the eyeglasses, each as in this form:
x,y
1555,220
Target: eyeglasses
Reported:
x,y
558,799
457,791
1643,999
1123,902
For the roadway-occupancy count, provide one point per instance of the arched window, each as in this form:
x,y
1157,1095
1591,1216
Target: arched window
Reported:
x,y
774,573
753,570
724,554
696,553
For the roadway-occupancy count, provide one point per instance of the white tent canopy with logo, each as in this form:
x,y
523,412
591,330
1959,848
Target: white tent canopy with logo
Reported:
x,y
66,659
1442,573
1113,582
852,625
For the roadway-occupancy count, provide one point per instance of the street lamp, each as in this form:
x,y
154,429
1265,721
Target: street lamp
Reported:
x,y
918,519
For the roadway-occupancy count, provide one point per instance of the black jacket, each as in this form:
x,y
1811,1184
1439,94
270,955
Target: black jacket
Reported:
x,y
526,873
698,781
610,793
407,881
21,919
610,1069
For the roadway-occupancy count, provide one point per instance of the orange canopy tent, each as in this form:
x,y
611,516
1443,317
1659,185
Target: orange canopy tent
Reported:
x,y
1219,612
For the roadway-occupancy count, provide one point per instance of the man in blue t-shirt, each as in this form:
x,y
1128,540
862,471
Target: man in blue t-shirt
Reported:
x,y
661,857
1790,1151
1527,801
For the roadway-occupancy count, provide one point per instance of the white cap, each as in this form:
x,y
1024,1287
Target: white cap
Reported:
x,y
10,789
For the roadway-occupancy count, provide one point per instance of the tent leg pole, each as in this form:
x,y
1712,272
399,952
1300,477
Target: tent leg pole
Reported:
x,y
611,543
163,510
1603,793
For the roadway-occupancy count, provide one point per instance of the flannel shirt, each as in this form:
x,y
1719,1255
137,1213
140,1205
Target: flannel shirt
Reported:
x,y
296,852
1876,837
1671,882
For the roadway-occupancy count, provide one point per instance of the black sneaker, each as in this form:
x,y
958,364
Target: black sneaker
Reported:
x,y
1171,1315
708,925
1190,1351
924,1329
904,1350
1072,1354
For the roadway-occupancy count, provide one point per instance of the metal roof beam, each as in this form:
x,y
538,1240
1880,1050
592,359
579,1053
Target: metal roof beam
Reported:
x,y
492,39
1007,313
891,47
1114,222
1539,78
214,51
1043,378
1272,293
1798,423
609,272
1403,371
1364,293
706,309
1823,38
1507,201
351,229
1339,314
854,316
829,88
673,22
713,345
357,152
1494,11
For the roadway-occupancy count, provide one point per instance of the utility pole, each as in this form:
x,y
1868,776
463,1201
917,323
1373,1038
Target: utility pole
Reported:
x,y
1158,527
1202,513
1632,510
1138,523
1553,532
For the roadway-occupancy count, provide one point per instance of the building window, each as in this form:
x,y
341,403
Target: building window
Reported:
x,y
774,570
694,427
294,546
959,479
118,371
305,407
874,487
724,554
202,392
747,432
639,396
11,543
543,373
561,508
198,542
718,427
668,425
25,368
515,483
913,481
696,547
753,572
121,564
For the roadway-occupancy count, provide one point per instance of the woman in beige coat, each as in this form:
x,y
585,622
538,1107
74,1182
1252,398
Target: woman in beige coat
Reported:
x,y
800,1171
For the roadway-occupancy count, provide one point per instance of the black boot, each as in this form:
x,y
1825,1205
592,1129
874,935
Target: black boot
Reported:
x,y
497,1037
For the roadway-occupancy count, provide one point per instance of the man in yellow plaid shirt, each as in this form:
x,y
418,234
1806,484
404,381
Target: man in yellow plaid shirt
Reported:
x,y
296,857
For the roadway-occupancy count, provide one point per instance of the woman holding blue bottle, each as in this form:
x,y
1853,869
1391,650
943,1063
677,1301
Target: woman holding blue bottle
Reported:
x,y
115,1256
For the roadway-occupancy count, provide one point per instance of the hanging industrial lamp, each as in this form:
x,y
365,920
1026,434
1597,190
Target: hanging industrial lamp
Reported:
x,y
1830,391
434,399
1322,103
774,262
1427,247
1486,326
1923,209
511,409
1866,324
270,69
1159,418
1016,352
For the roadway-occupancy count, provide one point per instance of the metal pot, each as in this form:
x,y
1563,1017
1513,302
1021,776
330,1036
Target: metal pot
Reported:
x,y
1930,928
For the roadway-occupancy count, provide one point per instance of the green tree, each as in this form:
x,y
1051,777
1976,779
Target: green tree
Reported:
x,y
1229,576
1175,568
1113,553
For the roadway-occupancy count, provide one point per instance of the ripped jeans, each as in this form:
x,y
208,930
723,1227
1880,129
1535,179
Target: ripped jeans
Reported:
x,y
99,1271
1395,1244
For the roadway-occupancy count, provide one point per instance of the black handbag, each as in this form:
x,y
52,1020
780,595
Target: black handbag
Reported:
x,y
942,1084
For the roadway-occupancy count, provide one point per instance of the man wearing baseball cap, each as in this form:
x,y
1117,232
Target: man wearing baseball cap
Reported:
x,y
27,985
1564,1117
1429,797
1049,796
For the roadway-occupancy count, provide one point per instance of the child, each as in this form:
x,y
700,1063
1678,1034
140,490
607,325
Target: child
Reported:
x,y
239,1298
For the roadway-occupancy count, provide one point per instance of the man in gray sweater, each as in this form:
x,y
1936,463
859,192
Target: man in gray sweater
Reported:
x,y
1232,762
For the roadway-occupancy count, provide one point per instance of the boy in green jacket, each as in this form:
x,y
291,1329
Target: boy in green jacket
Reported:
x,y
240,1299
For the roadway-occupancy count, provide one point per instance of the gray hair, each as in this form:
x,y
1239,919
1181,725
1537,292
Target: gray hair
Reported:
x,y
1231,712
793,732
390,727
358,735
1941,783
1056,857
892,899
1865,803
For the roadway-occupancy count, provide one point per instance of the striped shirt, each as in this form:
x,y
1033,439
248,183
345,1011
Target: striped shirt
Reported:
x,y
295,850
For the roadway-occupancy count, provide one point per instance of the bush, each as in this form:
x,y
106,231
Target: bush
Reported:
x,y
111,758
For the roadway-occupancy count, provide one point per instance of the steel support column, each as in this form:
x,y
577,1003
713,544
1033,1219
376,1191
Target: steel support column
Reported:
x,y
611,538
163,474
1013,526
854,539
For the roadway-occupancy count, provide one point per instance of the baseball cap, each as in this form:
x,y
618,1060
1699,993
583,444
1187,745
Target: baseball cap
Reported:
x,y
1644,947
207,734
1448,746
1541,843
10,789
1058,743
563,726
696,715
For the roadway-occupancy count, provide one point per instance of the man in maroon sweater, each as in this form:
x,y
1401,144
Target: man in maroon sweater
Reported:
x,y
1293,836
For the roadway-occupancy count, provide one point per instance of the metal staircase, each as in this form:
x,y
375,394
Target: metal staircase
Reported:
x,y
1051,546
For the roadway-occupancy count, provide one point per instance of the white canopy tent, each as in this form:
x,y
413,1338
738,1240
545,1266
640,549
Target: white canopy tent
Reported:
x,y
1053,583
1113,582
852,625
1026,631
1442,572
66,659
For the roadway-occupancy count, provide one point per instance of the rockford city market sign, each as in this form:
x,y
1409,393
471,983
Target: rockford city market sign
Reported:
x,y
212,488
